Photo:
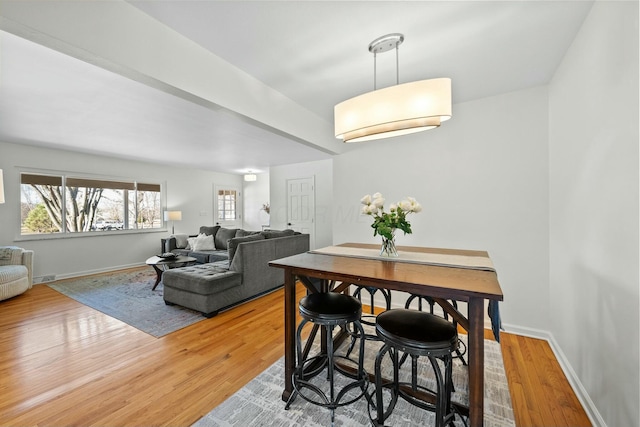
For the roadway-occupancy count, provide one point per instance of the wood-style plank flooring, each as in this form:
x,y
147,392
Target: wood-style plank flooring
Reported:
x,y
65,364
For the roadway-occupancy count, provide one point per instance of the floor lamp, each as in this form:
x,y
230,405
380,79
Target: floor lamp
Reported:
x,y
173,216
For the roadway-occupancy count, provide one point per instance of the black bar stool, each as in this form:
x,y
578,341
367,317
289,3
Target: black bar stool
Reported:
x,y
418,334
328,310
462,347
368,319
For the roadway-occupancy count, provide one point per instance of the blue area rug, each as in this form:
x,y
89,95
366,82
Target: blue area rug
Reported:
x,y
259,402
127,296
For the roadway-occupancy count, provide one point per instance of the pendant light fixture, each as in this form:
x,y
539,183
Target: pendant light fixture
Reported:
x,y
396,110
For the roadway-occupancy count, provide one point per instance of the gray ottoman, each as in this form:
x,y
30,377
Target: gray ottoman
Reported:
x,y
205,287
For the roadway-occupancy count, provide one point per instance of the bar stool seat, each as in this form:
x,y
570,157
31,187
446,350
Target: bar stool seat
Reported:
x,y
421,301
418,334
328,310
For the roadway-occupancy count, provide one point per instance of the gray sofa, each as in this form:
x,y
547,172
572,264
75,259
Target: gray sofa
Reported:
x,y
179,243
210,287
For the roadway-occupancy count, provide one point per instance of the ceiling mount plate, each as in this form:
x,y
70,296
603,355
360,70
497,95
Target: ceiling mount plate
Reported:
x,y
385,43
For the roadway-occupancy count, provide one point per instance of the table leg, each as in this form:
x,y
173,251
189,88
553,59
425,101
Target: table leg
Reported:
x,y
289,332
476,361
159,276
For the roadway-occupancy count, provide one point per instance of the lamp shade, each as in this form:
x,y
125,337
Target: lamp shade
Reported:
x,y
1,187
392,111
250,177
173,215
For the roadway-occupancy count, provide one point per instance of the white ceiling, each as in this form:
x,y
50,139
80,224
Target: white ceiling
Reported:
x,y
313,52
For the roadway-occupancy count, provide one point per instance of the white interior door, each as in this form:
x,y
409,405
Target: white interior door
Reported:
x,y
301,209
227,206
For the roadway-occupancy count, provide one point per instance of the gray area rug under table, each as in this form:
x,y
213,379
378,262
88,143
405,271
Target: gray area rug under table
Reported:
x,y
259,403
128,297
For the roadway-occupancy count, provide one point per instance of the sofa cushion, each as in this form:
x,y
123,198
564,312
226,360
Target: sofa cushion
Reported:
x,y
233,243
11,273
273,234
184,252
219,255
203,257
245,233
201,279
209,230
223,235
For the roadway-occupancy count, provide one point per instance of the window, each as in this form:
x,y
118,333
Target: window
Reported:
x,y
145,206
227,205
41,204
69,204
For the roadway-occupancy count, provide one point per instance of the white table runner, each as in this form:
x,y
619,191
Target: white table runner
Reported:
x,y
441,260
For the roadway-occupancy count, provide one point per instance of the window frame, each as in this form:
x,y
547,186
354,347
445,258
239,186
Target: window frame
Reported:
x,y
78,177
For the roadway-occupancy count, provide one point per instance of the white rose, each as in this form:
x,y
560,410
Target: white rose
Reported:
x,y
366,200
415,206
393,207
378,202
369,209
405,205
377,196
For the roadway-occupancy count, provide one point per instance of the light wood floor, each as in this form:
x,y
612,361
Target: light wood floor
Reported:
x,y
65,364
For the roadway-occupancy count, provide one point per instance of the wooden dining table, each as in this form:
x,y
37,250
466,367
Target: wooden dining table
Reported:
x,y
442,274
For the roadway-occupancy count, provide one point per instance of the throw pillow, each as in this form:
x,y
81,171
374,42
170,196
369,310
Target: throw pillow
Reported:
x,y
203,243
10,255
191,241
6,254
223,235
181,241
233,243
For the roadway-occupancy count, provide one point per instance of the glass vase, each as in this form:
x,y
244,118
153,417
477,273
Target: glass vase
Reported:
x,y
388,248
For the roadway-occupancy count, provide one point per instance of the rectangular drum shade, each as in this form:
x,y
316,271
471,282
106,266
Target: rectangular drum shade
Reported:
x,y
406,108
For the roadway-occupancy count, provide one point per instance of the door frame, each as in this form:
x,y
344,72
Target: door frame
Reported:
x,y
237,223
312,227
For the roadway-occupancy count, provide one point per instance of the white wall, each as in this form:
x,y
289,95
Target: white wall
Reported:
x,y
482,180
322,171
188,190
593,156
255,195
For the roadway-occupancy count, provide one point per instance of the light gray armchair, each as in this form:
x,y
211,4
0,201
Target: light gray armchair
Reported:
x,y
16,271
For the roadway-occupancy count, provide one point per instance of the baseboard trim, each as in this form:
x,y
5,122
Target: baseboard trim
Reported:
x,y
575,383
89,273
